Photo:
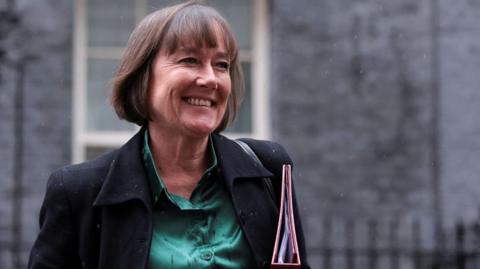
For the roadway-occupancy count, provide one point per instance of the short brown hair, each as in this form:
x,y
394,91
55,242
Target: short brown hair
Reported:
x,y
166,29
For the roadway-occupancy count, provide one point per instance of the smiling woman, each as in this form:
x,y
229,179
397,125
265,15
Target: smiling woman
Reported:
x,y
189,90
178,194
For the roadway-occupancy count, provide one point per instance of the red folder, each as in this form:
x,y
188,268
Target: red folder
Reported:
x,y
285,251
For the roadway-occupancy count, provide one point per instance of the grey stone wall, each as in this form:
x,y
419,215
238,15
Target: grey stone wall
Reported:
x,y
352,90
37,60
459,81
377,102
351,84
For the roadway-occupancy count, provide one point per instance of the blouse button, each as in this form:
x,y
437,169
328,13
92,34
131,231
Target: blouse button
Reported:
x,y
207,255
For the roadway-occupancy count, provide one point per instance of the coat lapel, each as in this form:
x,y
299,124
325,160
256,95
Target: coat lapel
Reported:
x,y
256,212
235,162
126,178
125,204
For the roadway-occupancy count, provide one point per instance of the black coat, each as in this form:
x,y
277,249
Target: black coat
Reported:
x,y
98,214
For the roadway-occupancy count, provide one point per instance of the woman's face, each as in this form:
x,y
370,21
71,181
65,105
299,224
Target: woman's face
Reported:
x,y
189,89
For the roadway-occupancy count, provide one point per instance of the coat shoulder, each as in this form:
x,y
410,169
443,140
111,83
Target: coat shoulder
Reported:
x,y
272,154
83,181
88,170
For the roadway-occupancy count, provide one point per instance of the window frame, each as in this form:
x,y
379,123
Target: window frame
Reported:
x,y
258,57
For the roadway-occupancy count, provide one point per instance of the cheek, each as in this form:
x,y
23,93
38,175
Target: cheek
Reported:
x,y
227,88
157,100
150,98
161,91
154,96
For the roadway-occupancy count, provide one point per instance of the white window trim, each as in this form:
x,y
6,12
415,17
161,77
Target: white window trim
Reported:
x,y
79,80
259,56
261,71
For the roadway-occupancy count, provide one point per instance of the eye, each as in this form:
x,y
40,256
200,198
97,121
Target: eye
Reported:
x,y
224,65
188,60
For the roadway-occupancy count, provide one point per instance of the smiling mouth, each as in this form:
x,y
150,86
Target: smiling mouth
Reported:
x,y
198,102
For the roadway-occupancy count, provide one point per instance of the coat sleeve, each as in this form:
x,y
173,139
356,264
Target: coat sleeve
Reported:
x,y
273,156
55,246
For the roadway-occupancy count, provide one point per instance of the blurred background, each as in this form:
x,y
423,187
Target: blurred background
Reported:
x,y
377,102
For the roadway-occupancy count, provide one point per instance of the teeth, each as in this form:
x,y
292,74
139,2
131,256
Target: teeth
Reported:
x,y
199,102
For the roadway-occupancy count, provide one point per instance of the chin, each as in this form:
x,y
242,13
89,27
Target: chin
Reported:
x,y
202,130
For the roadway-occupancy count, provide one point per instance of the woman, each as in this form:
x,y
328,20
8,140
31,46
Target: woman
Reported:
x,y
178,194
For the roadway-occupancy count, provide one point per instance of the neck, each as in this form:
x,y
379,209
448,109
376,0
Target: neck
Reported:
x,y
181,160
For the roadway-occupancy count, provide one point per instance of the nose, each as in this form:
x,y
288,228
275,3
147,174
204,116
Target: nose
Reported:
x,y
207,77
